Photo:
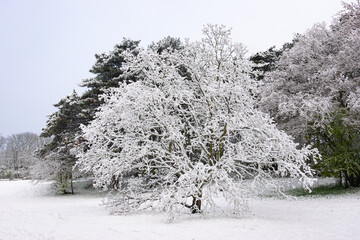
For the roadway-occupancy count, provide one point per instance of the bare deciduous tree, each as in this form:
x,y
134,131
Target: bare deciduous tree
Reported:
x,y
19,151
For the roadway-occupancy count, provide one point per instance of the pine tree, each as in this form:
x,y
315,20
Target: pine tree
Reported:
x,y
109,72
58,156
169,44
266,61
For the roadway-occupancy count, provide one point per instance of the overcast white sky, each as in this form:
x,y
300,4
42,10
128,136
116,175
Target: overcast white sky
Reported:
x,y
47,46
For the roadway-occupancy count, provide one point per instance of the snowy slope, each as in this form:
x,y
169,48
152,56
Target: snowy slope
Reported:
x,y
30,211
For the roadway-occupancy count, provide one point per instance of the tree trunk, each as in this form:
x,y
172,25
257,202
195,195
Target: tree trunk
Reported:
x,y
114,183
339,181
71,183
351,181
346,179
354,181
197,204
357,183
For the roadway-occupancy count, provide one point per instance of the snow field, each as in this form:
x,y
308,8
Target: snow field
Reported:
x,y
30,211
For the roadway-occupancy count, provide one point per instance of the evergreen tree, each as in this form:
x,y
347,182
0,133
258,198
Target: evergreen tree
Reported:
x,y
169,44
58,156
109,72
338,142
266,61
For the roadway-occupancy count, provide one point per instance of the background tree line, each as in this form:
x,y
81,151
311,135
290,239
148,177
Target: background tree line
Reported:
x,y
310,87
17,154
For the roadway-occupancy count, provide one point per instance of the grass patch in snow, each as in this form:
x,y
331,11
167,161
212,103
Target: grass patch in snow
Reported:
x,y
324,190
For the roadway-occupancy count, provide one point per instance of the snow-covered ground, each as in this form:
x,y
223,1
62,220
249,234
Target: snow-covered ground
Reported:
x,y
30,211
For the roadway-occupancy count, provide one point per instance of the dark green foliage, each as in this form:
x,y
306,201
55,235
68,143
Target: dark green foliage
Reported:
x,y
63,126
339,144
169,44
65,122
266,61
109,72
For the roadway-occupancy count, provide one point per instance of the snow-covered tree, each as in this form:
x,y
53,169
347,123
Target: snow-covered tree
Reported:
x,y
293,92
2,147
18,153
2,142
316,79
173,142
319,73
